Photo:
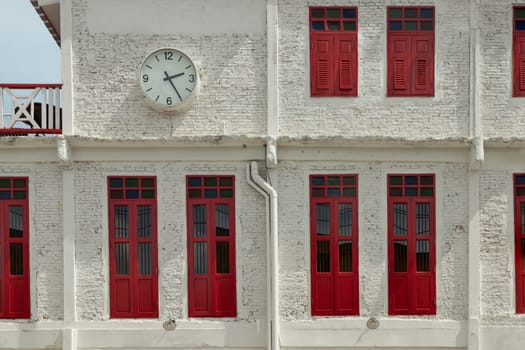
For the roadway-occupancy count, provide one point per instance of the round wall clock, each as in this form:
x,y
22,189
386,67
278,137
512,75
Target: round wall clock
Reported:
x,y
169,79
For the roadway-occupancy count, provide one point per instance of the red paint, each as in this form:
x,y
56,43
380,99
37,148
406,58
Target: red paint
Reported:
x,y
14,287
412,292
333,55
519,199
518,56
133,294
31,86
211,293
334,292
410,55
25,132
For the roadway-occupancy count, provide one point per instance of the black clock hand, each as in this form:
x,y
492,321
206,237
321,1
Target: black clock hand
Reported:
x,y
173,76
168,78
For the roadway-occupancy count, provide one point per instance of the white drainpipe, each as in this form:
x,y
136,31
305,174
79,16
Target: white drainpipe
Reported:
x,y
264,188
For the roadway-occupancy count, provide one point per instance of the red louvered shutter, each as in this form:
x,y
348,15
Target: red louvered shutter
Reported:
x,y
399,57
519,64
321,64
346,58
423,67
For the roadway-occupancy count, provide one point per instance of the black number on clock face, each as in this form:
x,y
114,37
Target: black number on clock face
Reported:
x,y
145,78
168,56
192,78
169,101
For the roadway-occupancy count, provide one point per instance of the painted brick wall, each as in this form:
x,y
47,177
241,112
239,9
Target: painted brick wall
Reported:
x,y
45,234
451,235
371,113
503,115
497,250
92,238
108,101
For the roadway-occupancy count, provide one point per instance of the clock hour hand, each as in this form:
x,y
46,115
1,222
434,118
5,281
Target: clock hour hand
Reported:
x,y
168,78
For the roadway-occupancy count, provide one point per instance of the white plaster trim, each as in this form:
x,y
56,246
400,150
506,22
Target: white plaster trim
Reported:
x,y
392,332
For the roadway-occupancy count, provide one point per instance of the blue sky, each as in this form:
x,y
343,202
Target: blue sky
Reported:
x,y
28,53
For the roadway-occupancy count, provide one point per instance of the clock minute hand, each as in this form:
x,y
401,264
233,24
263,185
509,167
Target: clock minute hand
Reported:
x,y
168,78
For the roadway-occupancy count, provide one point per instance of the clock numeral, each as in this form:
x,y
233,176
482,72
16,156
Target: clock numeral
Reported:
x,y
168,55
192,78
169,101
145,78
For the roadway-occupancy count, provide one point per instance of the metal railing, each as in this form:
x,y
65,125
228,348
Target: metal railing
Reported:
x,y
30,109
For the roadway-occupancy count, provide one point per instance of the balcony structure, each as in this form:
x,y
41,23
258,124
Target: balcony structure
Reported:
x,y
30,109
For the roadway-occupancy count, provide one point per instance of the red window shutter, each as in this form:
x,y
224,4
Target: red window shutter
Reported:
x,y
519,64
423,46
346,69
321,64
399,63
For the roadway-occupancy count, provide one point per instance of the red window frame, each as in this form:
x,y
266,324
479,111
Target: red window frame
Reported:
x,y
519,240
518,51
211,246
410,46
333,51
133,261
411,244
334,229
14,248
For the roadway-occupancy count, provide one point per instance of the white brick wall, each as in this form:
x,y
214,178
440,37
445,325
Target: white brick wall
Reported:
x,y
503,115
45,236
109,103
497,249
371,113
451,235
92,237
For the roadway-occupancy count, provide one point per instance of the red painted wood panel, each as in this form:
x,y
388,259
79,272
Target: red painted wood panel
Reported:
x,y
519,236
519,63
211,285
133,287
411,290
14,249
322,64
334,283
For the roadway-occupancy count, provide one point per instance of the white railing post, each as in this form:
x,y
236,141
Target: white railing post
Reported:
x,y
2,105
32,107
56,124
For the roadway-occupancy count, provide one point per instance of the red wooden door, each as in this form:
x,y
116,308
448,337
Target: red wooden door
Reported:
x,y
14,247
411,247
133,250
334,258
211,247
519,240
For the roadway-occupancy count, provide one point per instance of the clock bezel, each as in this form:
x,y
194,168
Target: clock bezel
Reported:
x,y
181,105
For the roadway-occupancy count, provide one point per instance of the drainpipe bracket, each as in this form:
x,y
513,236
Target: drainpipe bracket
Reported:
x,y
477,153
64,152
271,152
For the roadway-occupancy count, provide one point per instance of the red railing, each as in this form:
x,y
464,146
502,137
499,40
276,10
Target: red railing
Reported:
x,y
30,109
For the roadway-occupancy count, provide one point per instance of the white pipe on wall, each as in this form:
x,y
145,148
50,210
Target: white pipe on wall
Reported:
x,y
264,188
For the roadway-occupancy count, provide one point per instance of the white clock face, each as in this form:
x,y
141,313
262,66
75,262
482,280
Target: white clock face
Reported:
x,y
168,78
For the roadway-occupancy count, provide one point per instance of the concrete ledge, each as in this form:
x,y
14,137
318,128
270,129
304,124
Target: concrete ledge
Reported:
x,y
503,337
187,334
30,338
423,333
